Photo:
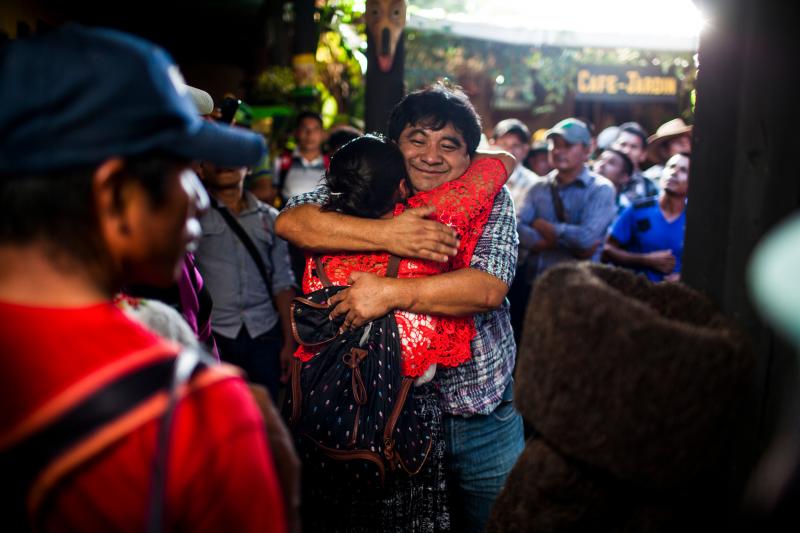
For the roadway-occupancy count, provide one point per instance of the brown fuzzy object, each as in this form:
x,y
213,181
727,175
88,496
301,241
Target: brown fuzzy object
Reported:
x,y
632,386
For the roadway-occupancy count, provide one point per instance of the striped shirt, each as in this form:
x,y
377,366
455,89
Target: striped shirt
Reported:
x,y
589,207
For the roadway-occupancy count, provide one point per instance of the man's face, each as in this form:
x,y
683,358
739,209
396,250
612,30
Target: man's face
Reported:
x,y
566,157
512,144
222,178
675,176
611,166
309,135
631,145
539,163
161,234
433,157
680,145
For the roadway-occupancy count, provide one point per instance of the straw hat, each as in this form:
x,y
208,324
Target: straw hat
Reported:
x,y
667,131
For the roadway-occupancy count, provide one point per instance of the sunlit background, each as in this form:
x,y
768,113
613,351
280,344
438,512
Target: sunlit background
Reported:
x,y
652,24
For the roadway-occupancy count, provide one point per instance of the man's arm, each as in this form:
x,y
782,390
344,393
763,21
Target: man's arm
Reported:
x,y
305,225
582,239
532,235
480,288
459,293
659,260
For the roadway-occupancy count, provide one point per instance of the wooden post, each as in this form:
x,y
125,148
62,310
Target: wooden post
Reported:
x,y
385,61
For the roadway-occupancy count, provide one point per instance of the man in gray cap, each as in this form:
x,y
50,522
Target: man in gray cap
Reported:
x,y
97,192
565,215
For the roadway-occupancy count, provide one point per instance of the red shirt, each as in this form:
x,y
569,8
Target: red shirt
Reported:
x,y
220,473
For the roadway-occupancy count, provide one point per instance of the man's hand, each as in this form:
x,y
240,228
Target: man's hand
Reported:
x,y
661,260
369,297
546,230
413,235
287,352
585,254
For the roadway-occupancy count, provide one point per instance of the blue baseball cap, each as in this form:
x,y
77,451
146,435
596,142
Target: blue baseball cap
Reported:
x,y
572,130
77,96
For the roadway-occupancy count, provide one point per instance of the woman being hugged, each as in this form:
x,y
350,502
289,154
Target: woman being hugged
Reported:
x,y
367,178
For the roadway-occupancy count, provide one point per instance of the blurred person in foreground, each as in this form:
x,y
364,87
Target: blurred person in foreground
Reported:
x,y
97,192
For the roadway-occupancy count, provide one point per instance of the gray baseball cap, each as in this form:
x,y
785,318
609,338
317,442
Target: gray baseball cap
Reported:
x,y
572,130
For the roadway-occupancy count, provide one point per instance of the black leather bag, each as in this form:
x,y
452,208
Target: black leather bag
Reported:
x,y
350,405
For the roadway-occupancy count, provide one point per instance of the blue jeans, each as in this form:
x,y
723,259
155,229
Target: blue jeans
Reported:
x,y
481,450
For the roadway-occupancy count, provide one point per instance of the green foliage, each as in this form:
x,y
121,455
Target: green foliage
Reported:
x,y
341,60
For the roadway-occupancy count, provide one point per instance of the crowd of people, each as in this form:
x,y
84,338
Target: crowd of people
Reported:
x,y
435,230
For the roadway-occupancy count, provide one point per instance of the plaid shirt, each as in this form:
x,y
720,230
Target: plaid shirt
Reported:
x,y
481,383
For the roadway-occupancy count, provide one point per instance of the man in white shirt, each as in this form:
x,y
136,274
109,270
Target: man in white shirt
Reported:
x,y
301,170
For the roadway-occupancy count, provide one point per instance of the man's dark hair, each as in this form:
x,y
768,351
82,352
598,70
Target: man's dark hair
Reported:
x,y
512,126
302,115
627,164
364,177
435,107
636,129
58,208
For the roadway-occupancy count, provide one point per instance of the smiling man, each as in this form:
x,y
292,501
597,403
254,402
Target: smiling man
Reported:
x,y
438,132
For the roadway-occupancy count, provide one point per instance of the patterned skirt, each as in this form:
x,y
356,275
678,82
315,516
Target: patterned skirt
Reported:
x,y
405,503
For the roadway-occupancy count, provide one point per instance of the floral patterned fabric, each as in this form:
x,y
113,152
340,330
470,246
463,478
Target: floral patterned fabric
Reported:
x,y
464,204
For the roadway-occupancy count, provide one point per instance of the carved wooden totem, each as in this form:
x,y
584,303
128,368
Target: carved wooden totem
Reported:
x,y
385,60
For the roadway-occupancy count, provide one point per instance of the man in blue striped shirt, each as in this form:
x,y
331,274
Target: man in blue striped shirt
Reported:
x,y
566,214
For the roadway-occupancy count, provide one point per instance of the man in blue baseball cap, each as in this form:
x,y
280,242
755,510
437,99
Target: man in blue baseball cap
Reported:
x,y
97,133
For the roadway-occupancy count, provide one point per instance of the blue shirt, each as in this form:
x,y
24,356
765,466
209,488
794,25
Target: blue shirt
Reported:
x,y
589,207
478,385
232,277
642,229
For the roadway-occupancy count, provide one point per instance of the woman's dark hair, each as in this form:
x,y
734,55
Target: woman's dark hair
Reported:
x,y
58,207
435,107
364,177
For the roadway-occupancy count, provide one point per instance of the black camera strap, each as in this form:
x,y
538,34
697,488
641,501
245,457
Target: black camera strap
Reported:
x,y
249,245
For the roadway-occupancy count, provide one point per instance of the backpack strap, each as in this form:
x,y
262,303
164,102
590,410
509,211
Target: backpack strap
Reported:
x,y
321,274
35,465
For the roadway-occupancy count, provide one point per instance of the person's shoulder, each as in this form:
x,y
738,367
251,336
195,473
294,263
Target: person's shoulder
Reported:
x,y
645,203
266,209
600,182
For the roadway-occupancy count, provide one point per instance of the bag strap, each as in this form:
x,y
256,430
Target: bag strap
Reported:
x,y
392,269
28,459
558,204
321,274
248,243
187,363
